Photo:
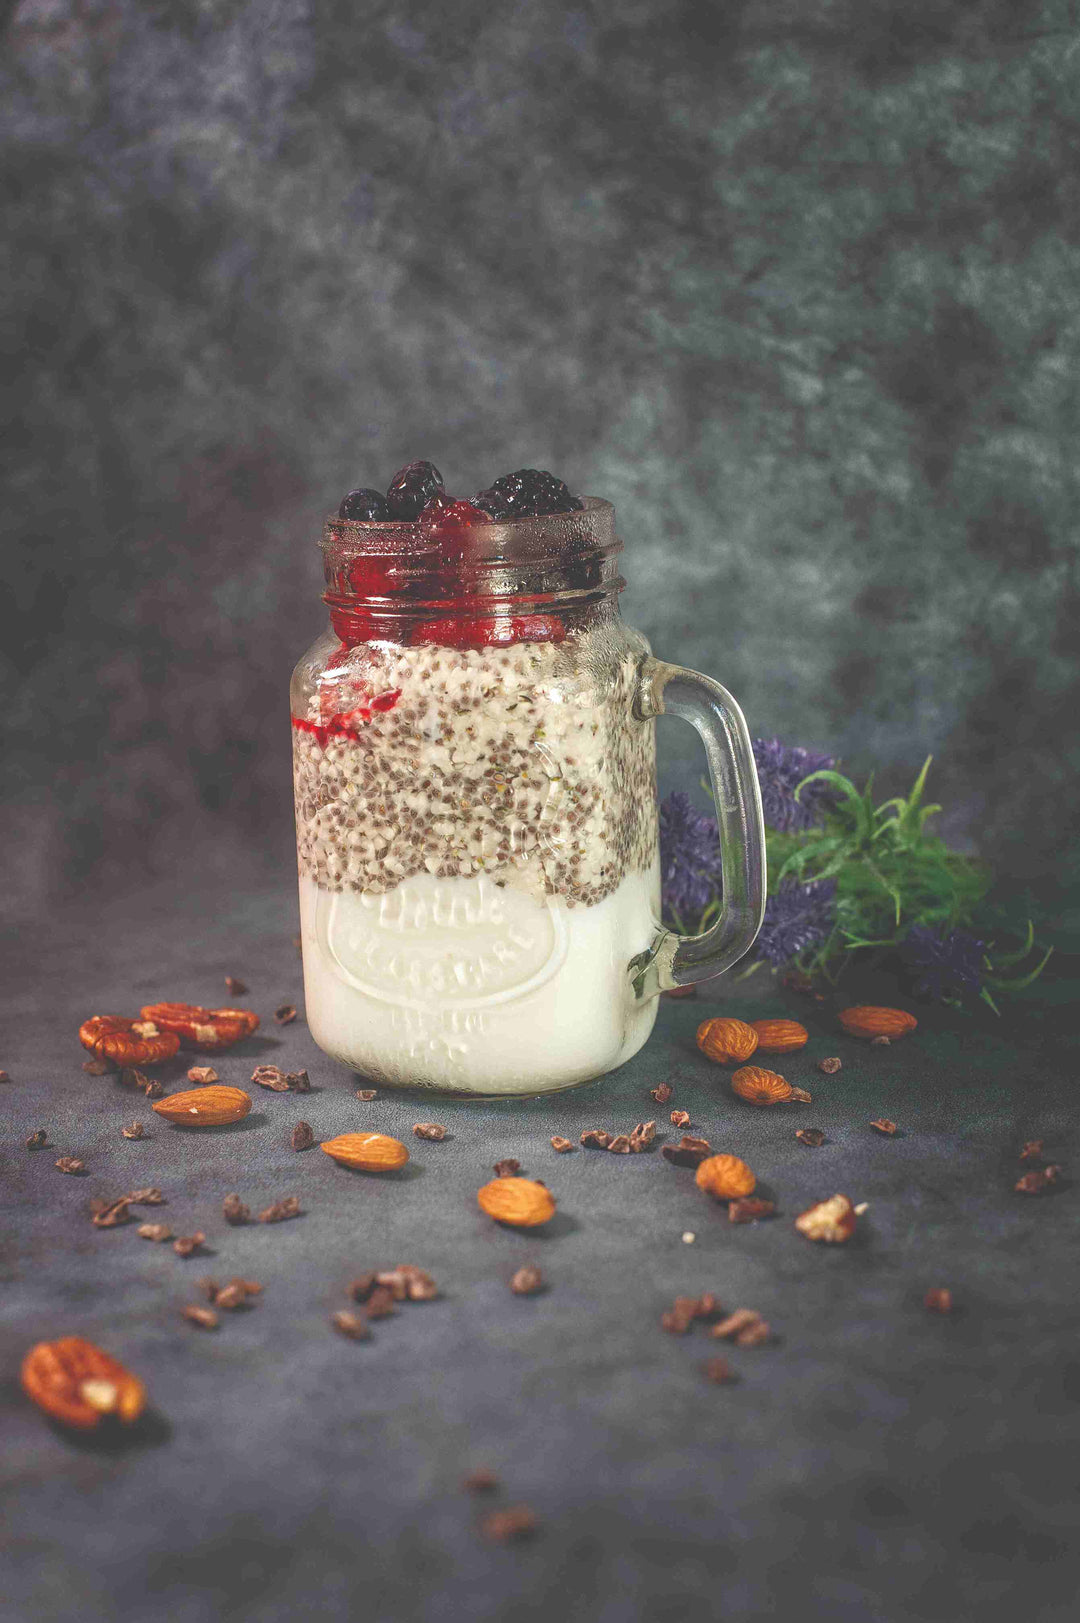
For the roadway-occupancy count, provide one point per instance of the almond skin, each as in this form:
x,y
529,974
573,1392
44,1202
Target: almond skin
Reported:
x,y
366,1152
215,1106
728,1042
76,1383
780,1036
517,1201
868,1020
761,1087
725,1177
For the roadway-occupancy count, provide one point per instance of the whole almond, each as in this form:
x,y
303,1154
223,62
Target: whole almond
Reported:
x,y
868,1020
760,1087
76,1383
780,1036
205,1107
728,1042
366,1152
517,1201
725,1177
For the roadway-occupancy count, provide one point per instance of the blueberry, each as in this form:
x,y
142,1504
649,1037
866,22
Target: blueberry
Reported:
x,y
412,487
526,494
364,504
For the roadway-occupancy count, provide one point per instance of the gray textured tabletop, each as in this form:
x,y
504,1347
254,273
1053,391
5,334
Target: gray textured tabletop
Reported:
x,y
875,1462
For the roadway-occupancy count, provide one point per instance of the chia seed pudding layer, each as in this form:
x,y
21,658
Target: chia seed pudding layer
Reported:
x,y
523,763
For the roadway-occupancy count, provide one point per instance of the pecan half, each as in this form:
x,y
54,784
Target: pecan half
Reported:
x,y
75,1382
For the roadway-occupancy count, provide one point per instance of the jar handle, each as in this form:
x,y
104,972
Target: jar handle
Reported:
x,y
683,960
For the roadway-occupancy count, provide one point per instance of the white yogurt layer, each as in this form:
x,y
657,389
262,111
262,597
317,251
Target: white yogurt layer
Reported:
x,y
462,984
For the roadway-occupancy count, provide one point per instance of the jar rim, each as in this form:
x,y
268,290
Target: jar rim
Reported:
x,y
543,539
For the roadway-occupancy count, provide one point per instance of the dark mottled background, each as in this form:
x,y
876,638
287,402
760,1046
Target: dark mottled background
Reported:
x,y
795,284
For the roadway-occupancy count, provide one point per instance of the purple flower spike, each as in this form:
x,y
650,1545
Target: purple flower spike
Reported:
x,y
781,769
796,917
946,962
689,859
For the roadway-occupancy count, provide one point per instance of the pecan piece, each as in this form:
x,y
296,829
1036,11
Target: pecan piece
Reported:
x,y
829,1066
272,1077
135,1130
642,1136
69,1164
562,1145
122,1042
1037,1182
680,1118
188,1244
154,1231
813,1136
431,1130
593,1138
884,1125
110,1214
620,1144
832,1221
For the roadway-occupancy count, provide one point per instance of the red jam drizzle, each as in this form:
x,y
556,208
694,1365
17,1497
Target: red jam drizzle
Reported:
x,y
345,723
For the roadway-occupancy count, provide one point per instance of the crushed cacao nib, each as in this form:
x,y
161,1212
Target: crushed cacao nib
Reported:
x,y
204,1318
880,1042
110,1214
96,1067
202,1075
281,1210
232,1296
813,1136
380,1304
406,1280
208,1286
829,1066
688,1152
620,1144
642,1136
706,1306
135,1130
938,1300
661,1093
298,1081
595,1139
508,1168
154,1231
131,1078
154,1089
527,1282
37,1140
361,1288
302,1136
285,1014
675,1322
884,1125
745,1327
1032,1150
680,1118
562,1145
234,1211
719,1371
188,1244
800,1096
430,1129
353,1325
235,987
70,1164
504,1526
1037,1182
146,1197
749,1209
366,1094
480,1481
272,1077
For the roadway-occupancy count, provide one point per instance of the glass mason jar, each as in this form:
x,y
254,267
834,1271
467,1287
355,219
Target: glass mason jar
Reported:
x,y
476,807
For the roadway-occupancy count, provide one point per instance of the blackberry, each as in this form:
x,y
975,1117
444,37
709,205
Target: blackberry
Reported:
x,y
364,504
526,494
412,487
